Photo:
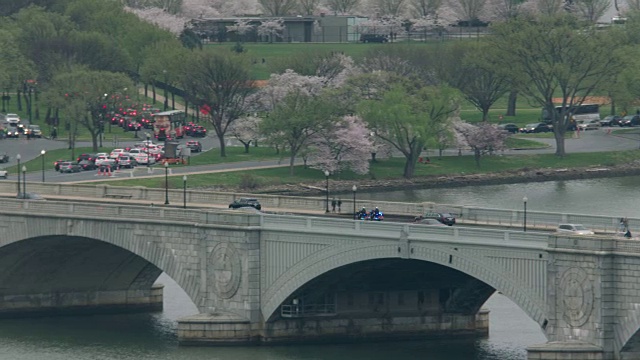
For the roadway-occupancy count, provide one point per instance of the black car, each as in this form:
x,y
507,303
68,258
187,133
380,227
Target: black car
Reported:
x,y
87,165
445,218
374,38
512,128
245,202
4,158
630,120
611,120
90,157
535,128
199,131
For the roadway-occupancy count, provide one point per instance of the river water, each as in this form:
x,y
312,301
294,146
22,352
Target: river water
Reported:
x,y
152,336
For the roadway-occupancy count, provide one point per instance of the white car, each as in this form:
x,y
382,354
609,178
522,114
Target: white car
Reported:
x,y
115,153
102,154
101,159
12,118
589,125
142,159
575,229
4,174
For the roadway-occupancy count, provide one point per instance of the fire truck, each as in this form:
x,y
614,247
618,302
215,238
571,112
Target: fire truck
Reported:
x,y
168,125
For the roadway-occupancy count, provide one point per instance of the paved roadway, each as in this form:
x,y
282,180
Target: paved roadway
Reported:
x,y
591,141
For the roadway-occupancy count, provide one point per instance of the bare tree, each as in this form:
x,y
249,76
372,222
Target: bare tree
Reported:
x,y
342,6
277,7
550,7
308,7
425,8
468,9
390,7
591,10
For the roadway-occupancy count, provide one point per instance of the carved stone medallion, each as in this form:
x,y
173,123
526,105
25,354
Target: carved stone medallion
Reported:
x,y
227,270
576,296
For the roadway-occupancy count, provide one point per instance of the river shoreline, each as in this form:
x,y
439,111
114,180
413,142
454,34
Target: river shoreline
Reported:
x,y
446,181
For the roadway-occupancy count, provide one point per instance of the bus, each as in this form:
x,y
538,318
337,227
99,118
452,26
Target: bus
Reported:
x,y
582,113
168,125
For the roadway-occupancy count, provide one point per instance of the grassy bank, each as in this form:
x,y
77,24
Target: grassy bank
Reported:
x,y
387,169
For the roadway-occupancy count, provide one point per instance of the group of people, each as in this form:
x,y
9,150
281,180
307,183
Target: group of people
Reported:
x,y
623,228
375,214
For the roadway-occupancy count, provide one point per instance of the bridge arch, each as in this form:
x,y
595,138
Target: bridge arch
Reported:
x,y
335,257
116,233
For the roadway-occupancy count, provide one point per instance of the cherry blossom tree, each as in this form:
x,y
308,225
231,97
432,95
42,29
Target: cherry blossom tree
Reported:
x,y
468,9
281,85
247,130
161,18
389,25
217,8
346,144
483,138
271,29
241,27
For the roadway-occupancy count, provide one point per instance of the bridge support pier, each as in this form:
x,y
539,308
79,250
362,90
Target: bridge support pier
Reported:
x,y
230,329
91,302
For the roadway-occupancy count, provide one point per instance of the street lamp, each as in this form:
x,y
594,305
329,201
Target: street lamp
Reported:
x,y
24,181
42,152
354,189
326,175
18,158
148,159
524,200
166,183
184,191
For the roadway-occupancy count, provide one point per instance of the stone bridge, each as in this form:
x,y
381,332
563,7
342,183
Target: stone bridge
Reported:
x,y
277,278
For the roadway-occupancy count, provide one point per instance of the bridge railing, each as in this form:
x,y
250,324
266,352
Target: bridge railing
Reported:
x,y
465,214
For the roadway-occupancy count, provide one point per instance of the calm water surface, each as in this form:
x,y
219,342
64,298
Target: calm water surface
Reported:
x,y
152,336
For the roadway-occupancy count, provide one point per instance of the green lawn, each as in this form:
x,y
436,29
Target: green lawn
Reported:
x,y
392,169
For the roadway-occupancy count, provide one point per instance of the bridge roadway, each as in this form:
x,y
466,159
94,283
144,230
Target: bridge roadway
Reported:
x,y
279,278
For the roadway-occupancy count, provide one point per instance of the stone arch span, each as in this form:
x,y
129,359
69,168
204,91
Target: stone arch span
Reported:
x,y
335,257
137,260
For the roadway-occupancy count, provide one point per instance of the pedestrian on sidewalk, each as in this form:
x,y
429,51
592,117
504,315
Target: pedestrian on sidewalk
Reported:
x,y
339,205
333,205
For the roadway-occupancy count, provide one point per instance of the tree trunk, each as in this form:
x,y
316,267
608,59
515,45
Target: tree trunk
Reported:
x,y
613,107
511,103
173,101
410,165
246,147
223,151
153,88
146,90
292,161
94,140
19,100
485,114
559,135
476,157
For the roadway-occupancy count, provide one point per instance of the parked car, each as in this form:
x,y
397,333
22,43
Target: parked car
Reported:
x,y
115,153
445,218
245,202
199,131
90,157
4,158
4,174
512,128
611,120
589,125
56,164
69,167
535,128
194,145
87,165
630,120
575,229
126,161
374,38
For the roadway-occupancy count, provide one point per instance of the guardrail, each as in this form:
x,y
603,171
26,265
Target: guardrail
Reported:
x,y
474,215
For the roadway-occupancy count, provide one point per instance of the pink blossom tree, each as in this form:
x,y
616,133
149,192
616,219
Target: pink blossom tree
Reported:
x,y
483,138
280,85
161,18
344,145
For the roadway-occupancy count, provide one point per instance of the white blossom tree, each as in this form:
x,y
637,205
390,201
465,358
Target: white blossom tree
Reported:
x,y
280,85
271,29
247,130
345,145
161,18
484,138
241,27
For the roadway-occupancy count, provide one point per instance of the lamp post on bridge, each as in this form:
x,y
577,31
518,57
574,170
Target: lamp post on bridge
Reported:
x,y
24,181
42,152
18,157
166,183
524,200
354,189
326,175
184,191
